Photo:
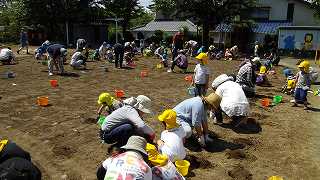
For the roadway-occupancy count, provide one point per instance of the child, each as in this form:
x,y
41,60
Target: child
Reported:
x,y
103,50
40,51
262,77
108,102
201,75
303,84
171,140
162,168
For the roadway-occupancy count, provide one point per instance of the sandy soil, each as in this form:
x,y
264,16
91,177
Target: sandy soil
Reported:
x,y
63,140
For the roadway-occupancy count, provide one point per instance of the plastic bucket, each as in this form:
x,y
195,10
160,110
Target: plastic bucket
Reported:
x,y
192,91
43,101
265,102
159,66
188,78
101,120
275,178
144,74
277,99
54,83
45,63
182,167
119,93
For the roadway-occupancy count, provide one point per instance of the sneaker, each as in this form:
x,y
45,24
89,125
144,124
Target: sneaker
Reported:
x,y
169,71
50,74
201,141
292,101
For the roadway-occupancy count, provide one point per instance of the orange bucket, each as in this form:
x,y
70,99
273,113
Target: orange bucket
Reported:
x,y
144,74
43,101
188,78
119,93
265,102
54,83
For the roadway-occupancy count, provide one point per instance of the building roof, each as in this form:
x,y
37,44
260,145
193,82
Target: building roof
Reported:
x,y
260,27
167,26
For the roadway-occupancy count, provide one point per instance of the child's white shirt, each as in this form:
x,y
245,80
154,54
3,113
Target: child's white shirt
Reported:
x,y
201,72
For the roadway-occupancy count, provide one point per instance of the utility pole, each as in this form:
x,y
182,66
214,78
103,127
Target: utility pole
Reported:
x,y
116,20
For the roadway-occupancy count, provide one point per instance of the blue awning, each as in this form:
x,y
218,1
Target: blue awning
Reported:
x,y
261,27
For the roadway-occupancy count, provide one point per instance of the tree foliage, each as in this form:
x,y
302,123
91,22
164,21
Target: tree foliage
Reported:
x,y
316,5
167,7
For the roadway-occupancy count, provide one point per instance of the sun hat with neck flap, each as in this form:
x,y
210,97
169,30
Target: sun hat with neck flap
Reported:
x,y
136,143
202,57
143,104
169,117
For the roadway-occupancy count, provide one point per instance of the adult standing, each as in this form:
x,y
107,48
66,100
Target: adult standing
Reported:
x,y
192,113
127,121
177,43
119,53
234,102
128,165
23,41
57,53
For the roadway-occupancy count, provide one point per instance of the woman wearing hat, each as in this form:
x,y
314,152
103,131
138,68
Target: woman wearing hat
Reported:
x,y
127,121
233,100
171,140
201,75
192,113
129,164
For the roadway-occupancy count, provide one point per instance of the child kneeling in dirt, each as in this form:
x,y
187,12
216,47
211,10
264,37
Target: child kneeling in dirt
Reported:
x,y
7,56
107,102
303,84
78,60
171,141
262,76
162,167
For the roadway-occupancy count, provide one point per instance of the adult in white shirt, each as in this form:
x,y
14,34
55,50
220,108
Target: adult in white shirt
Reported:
x,y
171,141
103,50
127,165
127,121
7,56
234,102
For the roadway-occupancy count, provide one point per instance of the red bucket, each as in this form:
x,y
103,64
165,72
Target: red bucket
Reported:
x,y
188,78
54,83
265,102
144,74
119,93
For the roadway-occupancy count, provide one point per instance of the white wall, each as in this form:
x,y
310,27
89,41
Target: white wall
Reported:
x,y
303,15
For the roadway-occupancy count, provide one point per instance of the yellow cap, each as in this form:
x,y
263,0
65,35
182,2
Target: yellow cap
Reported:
x,y
305,65
155,157
275,178
203,57
169,117
105,98
263,70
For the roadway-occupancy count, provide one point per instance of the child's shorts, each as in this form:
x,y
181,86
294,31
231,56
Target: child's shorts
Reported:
x,y
300,95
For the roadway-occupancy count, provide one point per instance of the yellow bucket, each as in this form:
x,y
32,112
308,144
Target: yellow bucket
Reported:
x,y
275,178
183,167
159,66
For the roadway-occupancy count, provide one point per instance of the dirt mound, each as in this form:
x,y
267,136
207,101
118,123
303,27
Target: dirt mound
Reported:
x,y
89,121
63,150
199,162
236,154
240,173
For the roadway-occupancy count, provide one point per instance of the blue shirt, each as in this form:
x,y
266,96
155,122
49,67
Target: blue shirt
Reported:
x,y
192,111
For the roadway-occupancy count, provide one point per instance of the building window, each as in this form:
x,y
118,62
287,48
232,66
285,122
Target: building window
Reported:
x,y
290,11
260,14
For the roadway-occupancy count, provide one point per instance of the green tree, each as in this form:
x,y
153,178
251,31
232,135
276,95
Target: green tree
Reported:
x,y
316,5
167,7
209,14
142,19
126,9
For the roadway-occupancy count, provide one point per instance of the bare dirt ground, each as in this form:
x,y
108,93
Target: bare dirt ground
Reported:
x,y
62,138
